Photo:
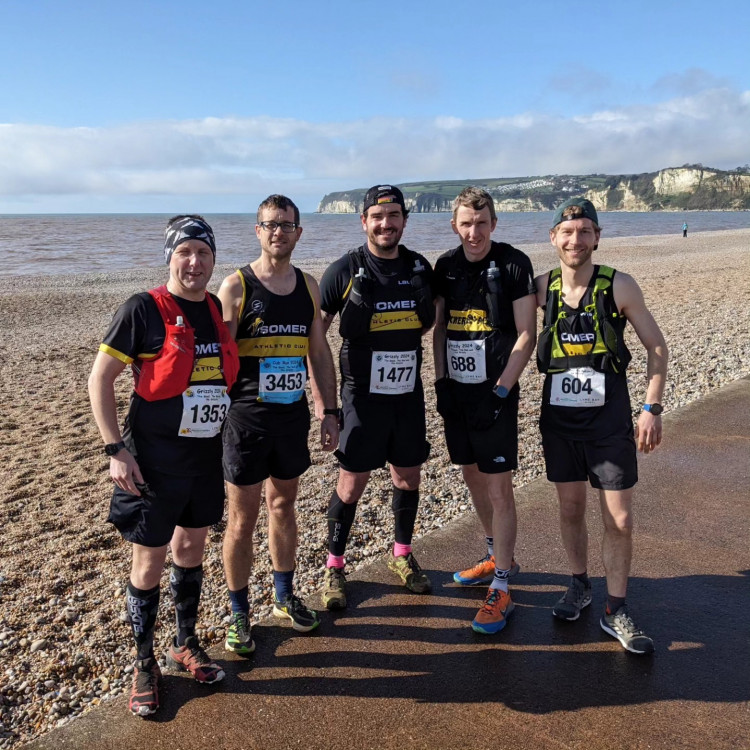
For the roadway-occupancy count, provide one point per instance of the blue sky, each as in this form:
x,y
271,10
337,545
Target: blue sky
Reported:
x,y
166,106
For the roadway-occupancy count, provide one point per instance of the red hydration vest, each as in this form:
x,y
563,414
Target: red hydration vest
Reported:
x,y
168,373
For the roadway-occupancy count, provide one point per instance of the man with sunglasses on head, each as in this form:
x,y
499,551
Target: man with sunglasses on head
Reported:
x,y
383,293
272,310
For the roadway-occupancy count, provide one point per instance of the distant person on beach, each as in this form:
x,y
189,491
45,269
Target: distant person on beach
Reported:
x,y
272,310
166,463
684,229
485,333
383,294
586,420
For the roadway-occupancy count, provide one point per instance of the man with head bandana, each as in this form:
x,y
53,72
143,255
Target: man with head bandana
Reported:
x,y
166,462
586,419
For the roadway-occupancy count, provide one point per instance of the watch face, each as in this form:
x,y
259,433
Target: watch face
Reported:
x,y
656,409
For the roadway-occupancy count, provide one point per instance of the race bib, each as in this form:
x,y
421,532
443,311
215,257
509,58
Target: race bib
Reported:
x,y
281,380
203,410
579,386
392,373
467,362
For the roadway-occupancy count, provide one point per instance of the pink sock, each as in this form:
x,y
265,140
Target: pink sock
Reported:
x,y
335,561
401,550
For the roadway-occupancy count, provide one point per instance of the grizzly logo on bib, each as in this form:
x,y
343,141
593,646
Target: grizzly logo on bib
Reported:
x,y
393,373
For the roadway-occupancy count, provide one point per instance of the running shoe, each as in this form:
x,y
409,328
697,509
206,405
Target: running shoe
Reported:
x,y
573,600
144,693
293,608
239,635
493,615
192,658
620,625
483,572
334,589
407,569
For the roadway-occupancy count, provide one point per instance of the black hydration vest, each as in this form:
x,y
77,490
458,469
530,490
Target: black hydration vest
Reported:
x,y
482,291
360,304
599,345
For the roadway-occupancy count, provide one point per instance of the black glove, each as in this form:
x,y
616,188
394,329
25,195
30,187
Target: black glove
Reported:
x,y
445,401
486,411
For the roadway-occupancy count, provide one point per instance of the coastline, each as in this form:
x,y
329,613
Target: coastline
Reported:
x,y
63,569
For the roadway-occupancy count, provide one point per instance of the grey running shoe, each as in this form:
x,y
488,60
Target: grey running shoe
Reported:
x,y
407,569
573,601
239,635
303,619
334,591
620,625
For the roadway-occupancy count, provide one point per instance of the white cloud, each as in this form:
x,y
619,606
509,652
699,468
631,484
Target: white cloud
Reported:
x,y
41,165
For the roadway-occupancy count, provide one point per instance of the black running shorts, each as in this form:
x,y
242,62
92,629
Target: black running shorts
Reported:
x,y
167,501
494,450
250,456
379,430
608,463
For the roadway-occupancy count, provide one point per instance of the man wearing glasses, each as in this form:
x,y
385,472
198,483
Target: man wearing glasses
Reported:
x,y
382,292
272,310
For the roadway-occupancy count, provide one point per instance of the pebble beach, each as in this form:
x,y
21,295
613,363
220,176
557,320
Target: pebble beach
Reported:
x,y
63,569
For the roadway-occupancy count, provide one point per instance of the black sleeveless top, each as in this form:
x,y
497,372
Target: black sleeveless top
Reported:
x,y
273,337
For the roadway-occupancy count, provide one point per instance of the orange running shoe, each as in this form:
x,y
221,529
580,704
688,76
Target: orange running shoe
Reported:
x,y
493,615
483,572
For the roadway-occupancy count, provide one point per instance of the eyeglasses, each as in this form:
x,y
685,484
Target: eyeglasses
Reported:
x,y
286,226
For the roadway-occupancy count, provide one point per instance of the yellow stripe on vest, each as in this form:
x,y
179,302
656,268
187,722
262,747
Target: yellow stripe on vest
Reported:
x,y
398,320
206,368
468,320
274,346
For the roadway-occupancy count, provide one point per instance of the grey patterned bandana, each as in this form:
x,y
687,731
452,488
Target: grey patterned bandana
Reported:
x,y
189,228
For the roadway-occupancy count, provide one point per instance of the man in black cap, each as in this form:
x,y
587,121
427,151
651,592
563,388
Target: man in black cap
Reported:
x,y
382,292
166,463
586,419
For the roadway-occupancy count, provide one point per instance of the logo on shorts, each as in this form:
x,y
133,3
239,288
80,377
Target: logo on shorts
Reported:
x,y
499,459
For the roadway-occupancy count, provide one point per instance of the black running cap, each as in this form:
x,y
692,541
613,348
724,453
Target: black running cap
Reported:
x,y
589,212
381,194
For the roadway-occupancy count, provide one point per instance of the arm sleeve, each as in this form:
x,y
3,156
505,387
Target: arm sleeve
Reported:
x,y
438,279
521,275
431,277
333,286
126,337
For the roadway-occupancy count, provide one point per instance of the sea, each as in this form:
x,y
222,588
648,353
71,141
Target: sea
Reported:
x,y
53,244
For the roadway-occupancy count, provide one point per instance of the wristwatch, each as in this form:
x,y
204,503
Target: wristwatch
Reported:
x,y
500,391
333,412
112,449
655,409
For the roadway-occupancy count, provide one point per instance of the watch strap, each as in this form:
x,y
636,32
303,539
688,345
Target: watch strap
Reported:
x,y
112,449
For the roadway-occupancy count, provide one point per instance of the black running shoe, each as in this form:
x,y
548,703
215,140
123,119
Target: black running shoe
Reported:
x,y
293,608
573,600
